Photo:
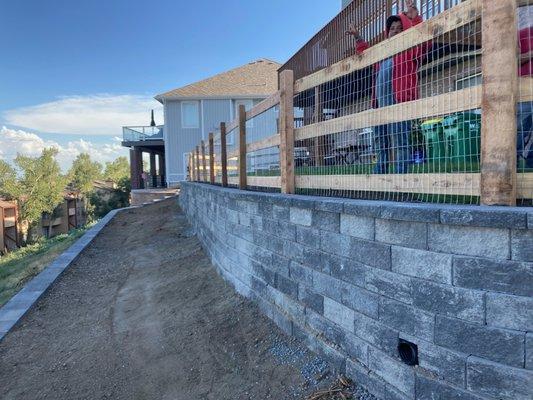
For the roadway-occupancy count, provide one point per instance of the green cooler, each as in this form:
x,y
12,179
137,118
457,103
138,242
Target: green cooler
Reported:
x,y
433,132
463,137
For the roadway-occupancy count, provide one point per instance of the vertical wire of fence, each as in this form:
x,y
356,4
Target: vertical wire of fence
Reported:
x,y
404,123
525,104
262,156
217,158
232,145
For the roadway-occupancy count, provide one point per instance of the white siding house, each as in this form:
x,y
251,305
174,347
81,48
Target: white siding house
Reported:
x,y
193,111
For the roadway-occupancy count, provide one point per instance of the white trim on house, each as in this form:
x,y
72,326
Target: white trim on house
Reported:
x,y
198,98
197,103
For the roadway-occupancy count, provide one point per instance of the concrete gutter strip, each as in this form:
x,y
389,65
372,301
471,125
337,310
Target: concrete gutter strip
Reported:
x,y
21,303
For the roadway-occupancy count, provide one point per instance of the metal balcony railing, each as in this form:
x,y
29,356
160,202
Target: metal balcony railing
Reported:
x,y
141,133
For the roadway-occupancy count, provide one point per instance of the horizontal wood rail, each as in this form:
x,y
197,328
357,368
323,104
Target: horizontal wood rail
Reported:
x,y
464,99
270,141
447,21
265,105
438,184
258,181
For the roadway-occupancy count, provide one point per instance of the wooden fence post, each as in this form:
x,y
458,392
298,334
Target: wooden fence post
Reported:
x,y
286,131
189,169
204,163
211,159
223,154
242,147
500,94
197,163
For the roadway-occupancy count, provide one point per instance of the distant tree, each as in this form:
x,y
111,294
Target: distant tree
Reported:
x,y
8,179
117,170
40,187
84,172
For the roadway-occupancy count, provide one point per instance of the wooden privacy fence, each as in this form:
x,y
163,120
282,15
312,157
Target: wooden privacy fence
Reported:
x,y
317,134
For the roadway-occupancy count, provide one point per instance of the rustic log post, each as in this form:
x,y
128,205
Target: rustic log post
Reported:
x,y
198,164
242,147
204,163
223,154
286,131
499,97
211,159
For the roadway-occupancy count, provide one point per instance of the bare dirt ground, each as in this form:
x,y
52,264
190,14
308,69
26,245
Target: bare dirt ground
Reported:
x,y
142,314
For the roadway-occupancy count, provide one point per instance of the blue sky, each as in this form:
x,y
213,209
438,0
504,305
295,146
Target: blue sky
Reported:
x,y
72,72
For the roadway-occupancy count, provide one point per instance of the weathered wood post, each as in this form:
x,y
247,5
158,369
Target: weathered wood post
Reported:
x,y
223,154
197,163
189,168
211,159
286,131
499,97
242,147
204,163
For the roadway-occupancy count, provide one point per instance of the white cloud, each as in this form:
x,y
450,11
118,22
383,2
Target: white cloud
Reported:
x,y
102,114
29,144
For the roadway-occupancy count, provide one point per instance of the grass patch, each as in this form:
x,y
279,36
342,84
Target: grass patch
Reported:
x,y
19,266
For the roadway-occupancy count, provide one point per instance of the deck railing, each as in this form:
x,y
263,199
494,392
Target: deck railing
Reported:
x,y
142,133
449,136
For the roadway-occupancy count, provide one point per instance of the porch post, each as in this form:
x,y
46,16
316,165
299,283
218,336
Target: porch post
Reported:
x,y
135,168
162,169
153,170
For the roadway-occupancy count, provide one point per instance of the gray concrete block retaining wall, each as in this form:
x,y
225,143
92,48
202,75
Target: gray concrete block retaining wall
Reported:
x,y
350,278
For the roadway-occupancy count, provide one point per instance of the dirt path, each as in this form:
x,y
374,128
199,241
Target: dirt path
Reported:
x,y
143,315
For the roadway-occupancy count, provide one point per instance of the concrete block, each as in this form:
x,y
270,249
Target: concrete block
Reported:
x,y
349,271
356,226
314,259
363,208
406,319
522,245
370,253
328,286
404,233
503,346
530,220
307,202
490,217
366,378
466,240
335,243
330,205
355,347
301,274
301,216
510,312
361,300
308,236
280,212
311,299
431,389
287,286
529,350
294,251
496,381
282,321
410,212
329,354
291,307
500,276
266,275
270,242
422,264
389,284
280,229
326,221
392,371
339,314
279,264
245,219
441,363
455,302
375,333
323,327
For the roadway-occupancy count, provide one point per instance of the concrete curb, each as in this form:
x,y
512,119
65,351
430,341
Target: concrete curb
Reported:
x,y
23,301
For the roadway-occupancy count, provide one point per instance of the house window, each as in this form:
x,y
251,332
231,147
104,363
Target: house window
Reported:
x,y
190,114
468,81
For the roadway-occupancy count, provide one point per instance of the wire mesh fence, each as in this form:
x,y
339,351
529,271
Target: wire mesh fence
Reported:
x,y
525,105
217,157
400,128
398,116
330,45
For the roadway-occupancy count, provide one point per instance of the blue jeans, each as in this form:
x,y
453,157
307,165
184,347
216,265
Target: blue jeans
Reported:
x,y
393,137
525,133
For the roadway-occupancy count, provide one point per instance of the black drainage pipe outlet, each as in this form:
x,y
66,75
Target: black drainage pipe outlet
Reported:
x,y
408,352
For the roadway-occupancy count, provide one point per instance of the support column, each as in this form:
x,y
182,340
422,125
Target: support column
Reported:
x,y
135,168
242,148
500,94
286,131
223,154
162,169
153,169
